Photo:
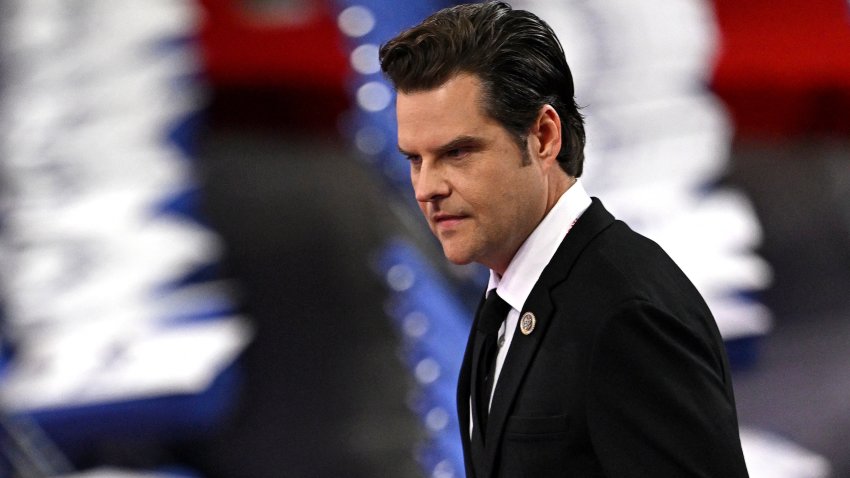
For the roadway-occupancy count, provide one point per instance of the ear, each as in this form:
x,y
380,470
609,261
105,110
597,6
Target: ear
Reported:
x,y
546,136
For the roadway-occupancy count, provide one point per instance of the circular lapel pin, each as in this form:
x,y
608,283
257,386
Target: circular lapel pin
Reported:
x,y
527,323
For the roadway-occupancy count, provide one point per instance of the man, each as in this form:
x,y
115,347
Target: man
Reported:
x,y
593,355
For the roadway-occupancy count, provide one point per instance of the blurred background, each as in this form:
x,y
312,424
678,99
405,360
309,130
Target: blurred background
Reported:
x,y
211,264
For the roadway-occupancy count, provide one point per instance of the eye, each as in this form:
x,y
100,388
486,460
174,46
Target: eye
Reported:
x,y
413,159
457,153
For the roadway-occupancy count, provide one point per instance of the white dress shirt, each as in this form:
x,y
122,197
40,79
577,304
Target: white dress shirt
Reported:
x,y
528,263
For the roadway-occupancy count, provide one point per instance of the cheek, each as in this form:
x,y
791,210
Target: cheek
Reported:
x,y
511,203
490,194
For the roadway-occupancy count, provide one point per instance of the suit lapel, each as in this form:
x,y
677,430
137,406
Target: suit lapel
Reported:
x,y
480,337
464,390
524,347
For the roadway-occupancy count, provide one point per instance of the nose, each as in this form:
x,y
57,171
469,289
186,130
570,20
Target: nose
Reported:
x,y
429,183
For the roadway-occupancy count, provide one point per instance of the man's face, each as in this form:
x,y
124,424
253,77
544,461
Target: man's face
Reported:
x,y
467,171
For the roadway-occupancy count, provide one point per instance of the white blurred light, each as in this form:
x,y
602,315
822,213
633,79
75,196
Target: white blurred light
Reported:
x,y
373,96
370,140
356,21
364,59
436,419
416,324
444,469
427,371
85,120
771,456
400,277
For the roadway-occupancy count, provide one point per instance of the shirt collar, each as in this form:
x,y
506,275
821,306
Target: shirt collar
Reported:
x,y
538,249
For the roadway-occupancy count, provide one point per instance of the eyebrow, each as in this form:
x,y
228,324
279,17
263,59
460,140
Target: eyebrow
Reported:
x,y
455,143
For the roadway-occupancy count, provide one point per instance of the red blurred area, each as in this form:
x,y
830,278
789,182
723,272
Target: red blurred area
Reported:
x,y
783,67
243,46
284,67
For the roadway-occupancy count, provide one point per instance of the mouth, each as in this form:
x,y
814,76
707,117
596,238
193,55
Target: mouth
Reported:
x,y
447,221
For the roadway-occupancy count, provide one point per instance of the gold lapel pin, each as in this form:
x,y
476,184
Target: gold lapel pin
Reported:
x,y
527,323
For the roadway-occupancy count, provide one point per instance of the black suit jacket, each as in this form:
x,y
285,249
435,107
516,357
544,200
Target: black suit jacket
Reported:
x,y
624,375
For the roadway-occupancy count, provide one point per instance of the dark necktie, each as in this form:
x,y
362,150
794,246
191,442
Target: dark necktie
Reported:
x,y
493,313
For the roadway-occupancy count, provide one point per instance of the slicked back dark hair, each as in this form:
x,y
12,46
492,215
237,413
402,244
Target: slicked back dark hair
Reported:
x,y
515,55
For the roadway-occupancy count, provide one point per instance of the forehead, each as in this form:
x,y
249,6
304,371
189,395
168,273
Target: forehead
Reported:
x,y
432,117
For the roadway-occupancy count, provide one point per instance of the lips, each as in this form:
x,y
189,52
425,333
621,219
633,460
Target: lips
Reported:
x,y
447,221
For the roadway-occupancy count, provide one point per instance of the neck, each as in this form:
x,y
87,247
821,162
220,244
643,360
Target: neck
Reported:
x,y
561,183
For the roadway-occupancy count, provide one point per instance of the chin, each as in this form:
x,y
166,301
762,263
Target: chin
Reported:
x,y
456,257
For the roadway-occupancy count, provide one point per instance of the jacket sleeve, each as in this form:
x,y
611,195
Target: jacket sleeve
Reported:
x,y
659,400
